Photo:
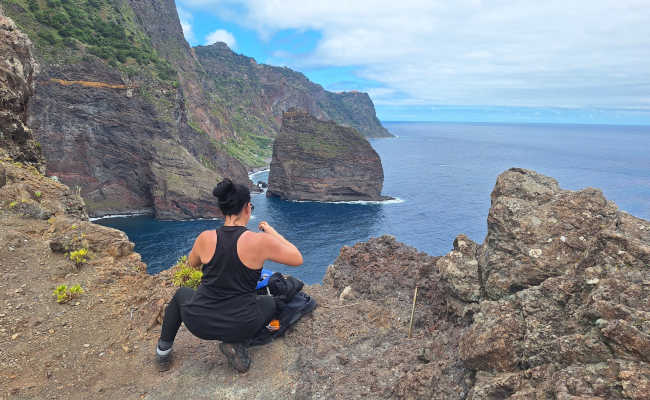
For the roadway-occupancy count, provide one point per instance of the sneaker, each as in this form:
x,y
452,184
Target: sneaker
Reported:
x,y
237,355
164,362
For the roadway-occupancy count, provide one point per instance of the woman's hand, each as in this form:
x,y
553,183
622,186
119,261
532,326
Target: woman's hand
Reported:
x,y
265,227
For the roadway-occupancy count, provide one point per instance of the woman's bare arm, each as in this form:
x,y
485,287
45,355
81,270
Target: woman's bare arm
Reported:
x,y
277,248
203,249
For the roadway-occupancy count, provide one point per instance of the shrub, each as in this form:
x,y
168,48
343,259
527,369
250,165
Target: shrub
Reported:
x,y
79,256
186,275
63,294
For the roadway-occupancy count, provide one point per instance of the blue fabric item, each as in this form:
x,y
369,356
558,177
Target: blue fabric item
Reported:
x,y
264,278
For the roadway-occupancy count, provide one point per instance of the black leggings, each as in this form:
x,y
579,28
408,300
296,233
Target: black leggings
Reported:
x,y
172,320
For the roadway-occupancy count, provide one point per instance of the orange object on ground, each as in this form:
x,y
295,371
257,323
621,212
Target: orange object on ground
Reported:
x,y
274,325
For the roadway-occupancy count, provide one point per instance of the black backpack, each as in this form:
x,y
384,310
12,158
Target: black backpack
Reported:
x,y
291,305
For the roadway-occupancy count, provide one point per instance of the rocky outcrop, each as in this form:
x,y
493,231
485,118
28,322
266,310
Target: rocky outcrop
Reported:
x,y
23,188
17,72
322,161
553,305
558,295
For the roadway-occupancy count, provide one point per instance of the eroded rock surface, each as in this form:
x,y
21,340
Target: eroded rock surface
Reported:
x,y
322,161
17,75
564,278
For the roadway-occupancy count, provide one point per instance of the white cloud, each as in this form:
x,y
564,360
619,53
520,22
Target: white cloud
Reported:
x,y
471,52
221,35
186,23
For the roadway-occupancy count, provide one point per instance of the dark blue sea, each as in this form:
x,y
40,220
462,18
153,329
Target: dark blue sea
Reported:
x,y
442,174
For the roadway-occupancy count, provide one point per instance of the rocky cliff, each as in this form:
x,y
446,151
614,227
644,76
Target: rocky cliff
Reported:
x,y
17,73
257,94
125,110
110,113
323,161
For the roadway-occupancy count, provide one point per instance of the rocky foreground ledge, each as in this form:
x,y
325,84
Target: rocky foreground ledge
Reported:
x,y
553,305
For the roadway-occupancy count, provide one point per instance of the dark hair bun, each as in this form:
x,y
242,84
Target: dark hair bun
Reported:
x,y
231,196
224,188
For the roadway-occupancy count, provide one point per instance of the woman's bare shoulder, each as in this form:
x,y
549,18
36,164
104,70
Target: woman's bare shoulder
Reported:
x,y
207,241
208,236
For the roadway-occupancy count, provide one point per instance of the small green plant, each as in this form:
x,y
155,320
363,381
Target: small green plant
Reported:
x,y
13,204
76,290
186,275
79,256
38,194
63,294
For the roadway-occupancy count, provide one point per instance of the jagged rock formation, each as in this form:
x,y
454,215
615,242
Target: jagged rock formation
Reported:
x,y
557,294
265,92
17,71
322,161
119,84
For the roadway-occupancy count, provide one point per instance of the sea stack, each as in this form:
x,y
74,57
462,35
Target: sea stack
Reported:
x,y
322,161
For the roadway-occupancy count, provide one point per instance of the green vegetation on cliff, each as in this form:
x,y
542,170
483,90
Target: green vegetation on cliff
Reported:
x,y
70,29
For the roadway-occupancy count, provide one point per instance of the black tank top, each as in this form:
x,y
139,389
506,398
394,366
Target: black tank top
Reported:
x,y
224,305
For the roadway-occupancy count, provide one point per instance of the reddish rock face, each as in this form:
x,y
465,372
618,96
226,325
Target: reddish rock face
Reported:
x,y
322,161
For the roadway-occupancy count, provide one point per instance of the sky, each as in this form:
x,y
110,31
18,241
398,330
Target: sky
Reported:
x,y
578,61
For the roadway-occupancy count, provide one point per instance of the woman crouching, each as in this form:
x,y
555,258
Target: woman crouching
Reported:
x,y
225,306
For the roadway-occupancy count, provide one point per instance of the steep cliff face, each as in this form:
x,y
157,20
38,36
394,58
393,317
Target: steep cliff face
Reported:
x,y
17,72
320,160
250,97
24,190
111,114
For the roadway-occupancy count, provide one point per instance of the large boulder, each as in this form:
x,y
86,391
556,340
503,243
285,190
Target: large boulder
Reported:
x,y
560,294
322,161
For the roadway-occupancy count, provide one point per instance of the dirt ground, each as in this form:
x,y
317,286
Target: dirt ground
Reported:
x,y
97,345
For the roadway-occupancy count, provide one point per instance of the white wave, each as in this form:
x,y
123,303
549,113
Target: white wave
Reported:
x,y
252,175
192,219
133,214
396,200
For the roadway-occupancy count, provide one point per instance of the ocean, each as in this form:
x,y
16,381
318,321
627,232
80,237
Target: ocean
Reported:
x,y
442,175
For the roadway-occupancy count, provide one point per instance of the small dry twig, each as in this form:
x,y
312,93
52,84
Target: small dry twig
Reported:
x,y
415,296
